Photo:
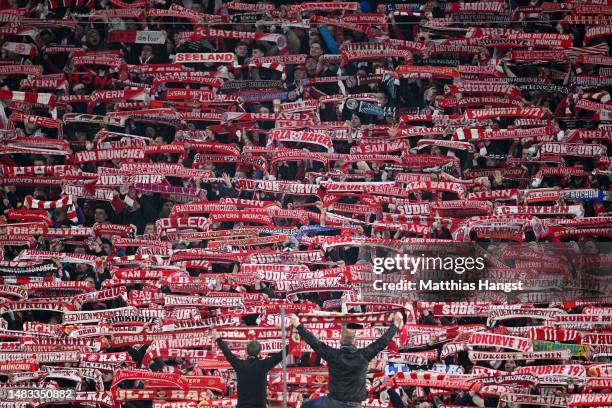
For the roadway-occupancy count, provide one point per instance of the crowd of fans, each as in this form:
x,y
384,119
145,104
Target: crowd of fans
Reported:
x,y
173,167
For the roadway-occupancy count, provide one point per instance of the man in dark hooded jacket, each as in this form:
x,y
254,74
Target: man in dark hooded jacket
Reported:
x,y
251,373
348,365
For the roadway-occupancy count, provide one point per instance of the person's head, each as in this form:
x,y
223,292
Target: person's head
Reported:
x,y
208,166
29,127
60,215
382,98
311,64
79,89
46,36
149,229
150,132
300,73
332,30
107,247
100,215
355,120
492,162
56,246
107,376
316,50
339,113
348,337
80,135
241,49
258,51
147,52
93,38
253,348
423,36
88,208
510,365
316,38
436,151
166,208
80,250
90,278
430,95
590,247
55,319
39,193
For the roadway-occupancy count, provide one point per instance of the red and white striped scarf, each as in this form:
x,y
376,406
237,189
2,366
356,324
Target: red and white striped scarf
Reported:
x,y
65,201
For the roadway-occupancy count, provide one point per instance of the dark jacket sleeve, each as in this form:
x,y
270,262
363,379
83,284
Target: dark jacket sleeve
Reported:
x,y
379,345
395,399
274,359
319,347
231,357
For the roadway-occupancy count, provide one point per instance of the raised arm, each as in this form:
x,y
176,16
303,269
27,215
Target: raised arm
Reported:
x,y
274,359
379,345
231,357
319,347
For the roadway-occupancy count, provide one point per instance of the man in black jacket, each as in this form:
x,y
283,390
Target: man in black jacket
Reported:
x,y
252,372
348,365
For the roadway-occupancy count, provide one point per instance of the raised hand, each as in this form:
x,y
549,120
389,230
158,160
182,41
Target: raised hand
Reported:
x,y
398,320
295,321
